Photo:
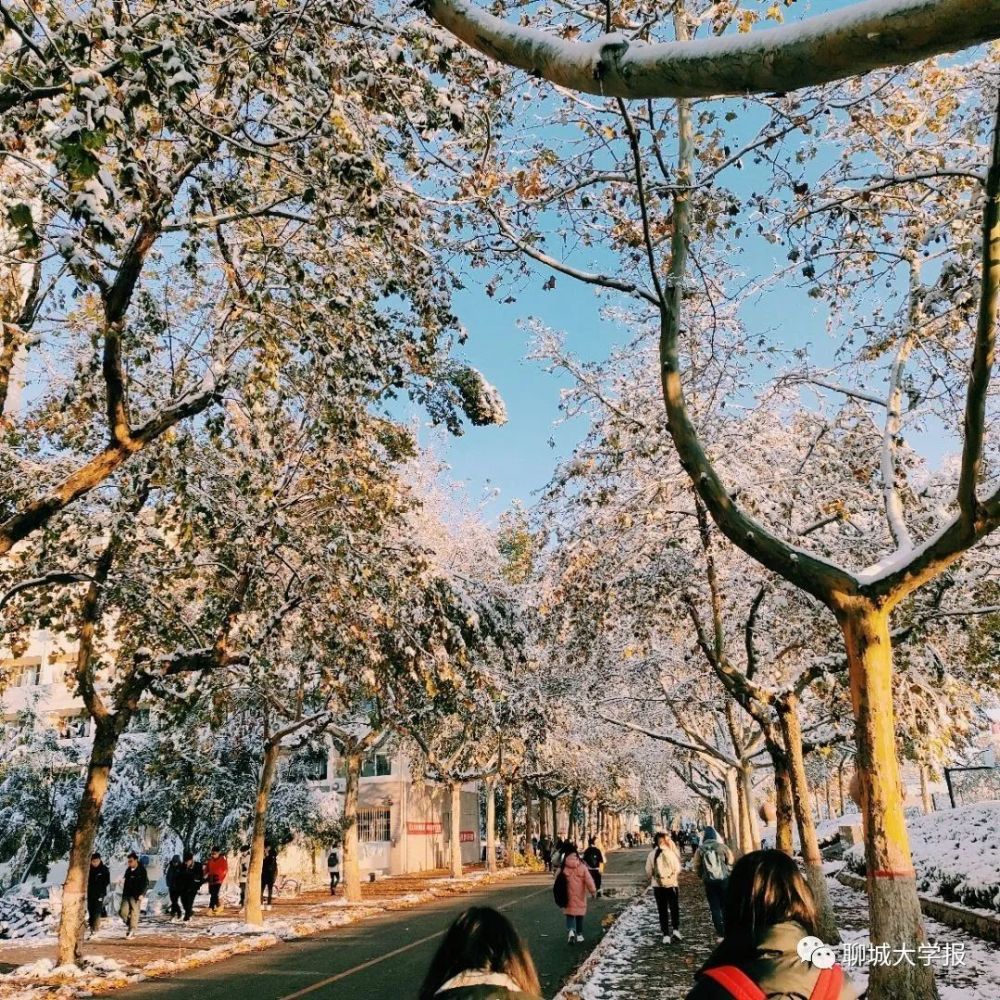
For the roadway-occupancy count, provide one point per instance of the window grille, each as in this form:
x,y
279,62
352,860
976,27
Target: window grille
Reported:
x,y
373,825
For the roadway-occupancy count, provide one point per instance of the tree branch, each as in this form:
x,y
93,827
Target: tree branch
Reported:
x,y
845,43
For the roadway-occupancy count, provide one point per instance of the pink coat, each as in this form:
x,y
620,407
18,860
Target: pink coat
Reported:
x,y
579,883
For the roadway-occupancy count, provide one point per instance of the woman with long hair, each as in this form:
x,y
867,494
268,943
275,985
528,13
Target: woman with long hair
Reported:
x,y
769,911
481,957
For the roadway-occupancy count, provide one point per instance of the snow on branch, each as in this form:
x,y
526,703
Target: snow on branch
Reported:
x,y
845,43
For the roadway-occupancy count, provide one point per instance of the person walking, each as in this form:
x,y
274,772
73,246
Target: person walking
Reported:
x,y
545,848
98,880
579,885
269,875
712,862
663,867
134,885
244,874
769,910
333,869
593,858
534,844
189,880
172,878
482,957
216,870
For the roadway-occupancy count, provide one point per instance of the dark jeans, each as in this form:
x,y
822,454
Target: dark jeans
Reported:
x,y
668,907
95,910
213,895
595,874
187,901
334,882
715,890
175,905
267,887
574,923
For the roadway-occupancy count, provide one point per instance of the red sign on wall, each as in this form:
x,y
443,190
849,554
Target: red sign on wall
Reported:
x,y
467,837
423,829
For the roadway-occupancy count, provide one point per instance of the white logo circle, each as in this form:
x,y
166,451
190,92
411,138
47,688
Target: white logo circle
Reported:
x,y
807,947
824,957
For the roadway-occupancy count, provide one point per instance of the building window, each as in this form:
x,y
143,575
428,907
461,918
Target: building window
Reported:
x,y
376,765
71,727
24,673
373,825
307,765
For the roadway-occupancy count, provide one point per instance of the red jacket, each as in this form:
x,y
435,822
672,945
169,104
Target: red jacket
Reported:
x,y
216,869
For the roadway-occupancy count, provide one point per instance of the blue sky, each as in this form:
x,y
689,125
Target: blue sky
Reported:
x,y
517,460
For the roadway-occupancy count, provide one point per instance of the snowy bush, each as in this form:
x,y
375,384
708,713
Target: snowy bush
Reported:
x,y
956,855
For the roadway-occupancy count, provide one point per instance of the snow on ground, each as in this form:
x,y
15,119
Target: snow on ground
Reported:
x,y
827,830
956,853
103,973
966,967
632,963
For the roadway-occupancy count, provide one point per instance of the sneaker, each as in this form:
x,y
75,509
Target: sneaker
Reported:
x,y
666,939
129,933
572,938
579,939
719,940
677,935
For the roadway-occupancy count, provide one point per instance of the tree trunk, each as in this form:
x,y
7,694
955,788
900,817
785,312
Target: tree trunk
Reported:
x,y
555,816
455,792
528,823
573,832
829,803
254,913
791,731
508,822
733,812
746,780
351,859
783,806
491,825
925,792
840,787
543,822
74,900
894,907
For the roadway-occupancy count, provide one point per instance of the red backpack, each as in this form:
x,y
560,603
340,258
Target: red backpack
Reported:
x,y
741,987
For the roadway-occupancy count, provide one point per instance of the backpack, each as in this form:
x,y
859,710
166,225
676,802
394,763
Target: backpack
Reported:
x,y
741,987
560,889
713,862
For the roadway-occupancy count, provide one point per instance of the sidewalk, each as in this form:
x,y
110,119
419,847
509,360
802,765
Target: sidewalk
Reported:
x,y
161,947
632,964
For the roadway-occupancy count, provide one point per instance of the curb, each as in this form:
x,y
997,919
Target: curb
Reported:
x,y
571,988
953,915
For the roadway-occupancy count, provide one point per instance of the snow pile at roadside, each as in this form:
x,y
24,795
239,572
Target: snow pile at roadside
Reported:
x,y
956,854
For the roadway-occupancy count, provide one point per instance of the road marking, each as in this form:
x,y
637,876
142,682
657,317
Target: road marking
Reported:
x,y
391,954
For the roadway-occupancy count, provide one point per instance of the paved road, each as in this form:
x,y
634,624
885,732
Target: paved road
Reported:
x,y
385,958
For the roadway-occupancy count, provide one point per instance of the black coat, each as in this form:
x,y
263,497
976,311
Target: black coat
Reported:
x,y
136,882
189,880
172,874
269,872
98,880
